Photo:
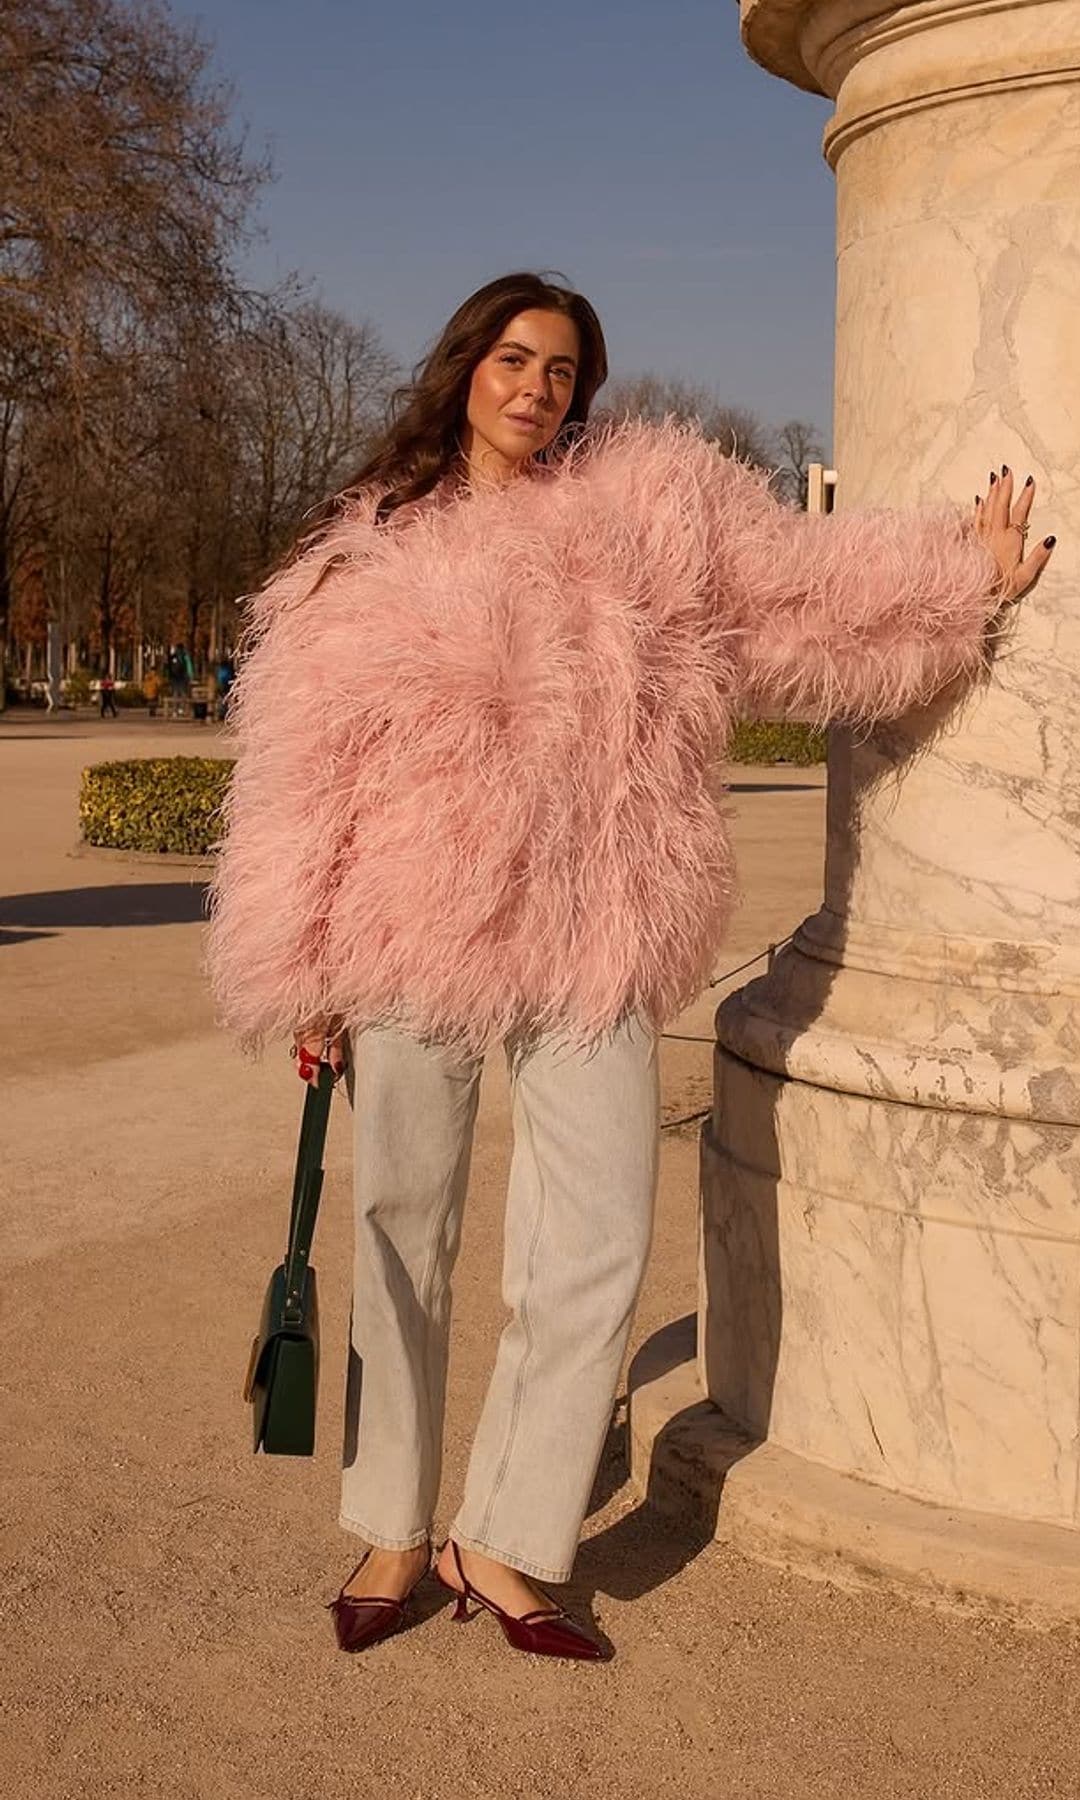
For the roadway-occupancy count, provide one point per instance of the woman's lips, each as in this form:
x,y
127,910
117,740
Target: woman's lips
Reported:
x,y
523,423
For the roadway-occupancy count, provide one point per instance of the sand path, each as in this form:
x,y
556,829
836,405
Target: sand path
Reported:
x,y
162,1591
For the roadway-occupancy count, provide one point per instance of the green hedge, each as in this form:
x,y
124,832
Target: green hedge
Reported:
x,y
776,741
167,804
170,804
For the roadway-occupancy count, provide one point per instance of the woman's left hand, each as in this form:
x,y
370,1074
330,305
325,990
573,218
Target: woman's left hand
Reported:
x,y
1003,527
318,1042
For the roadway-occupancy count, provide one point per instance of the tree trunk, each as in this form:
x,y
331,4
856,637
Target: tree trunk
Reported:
x,y
105,600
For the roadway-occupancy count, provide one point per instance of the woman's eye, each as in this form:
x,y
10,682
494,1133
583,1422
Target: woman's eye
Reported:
x,y
514,361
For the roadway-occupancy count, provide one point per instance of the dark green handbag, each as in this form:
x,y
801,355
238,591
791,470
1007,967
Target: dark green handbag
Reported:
x,y
283,1373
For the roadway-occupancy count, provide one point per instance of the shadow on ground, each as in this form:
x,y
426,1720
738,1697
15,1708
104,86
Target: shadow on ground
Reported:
x,y
775,787
639,1553
157,903
645,1548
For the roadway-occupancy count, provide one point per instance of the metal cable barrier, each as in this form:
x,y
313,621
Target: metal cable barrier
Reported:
x,y
768,957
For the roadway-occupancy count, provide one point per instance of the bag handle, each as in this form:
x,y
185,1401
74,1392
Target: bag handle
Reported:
x,y
307,1187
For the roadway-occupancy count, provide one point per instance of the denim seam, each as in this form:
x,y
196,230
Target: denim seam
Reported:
x,y
427,1287
499,1479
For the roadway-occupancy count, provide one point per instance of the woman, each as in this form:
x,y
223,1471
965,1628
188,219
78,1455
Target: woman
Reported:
x,y
475,720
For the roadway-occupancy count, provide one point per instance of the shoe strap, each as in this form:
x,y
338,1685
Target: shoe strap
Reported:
x,y
379,1599
471,1593
344,1599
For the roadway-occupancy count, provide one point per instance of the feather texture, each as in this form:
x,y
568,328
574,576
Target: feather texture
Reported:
x,y
475,789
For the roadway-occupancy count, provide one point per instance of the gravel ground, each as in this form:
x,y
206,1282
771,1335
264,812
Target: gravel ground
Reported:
x,y
163,1589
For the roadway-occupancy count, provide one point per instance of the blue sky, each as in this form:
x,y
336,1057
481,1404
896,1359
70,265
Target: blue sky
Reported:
x,y
421,149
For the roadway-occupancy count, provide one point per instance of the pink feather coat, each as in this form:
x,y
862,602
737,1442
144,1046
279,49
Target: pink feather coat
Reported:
x,y
476,788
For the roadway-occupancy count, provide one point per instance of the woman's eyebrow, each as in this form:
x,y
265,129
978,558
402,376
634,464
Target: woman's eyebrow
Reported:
x,y
512,344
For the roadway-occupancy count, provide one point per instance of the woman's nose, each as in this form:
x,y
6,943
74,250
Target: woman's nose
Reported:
x,y
538,387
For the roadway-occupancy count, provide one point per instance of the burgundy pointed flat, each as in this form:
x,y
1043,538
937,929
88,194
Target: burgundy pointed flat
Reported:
x,y
543,1632
363,1619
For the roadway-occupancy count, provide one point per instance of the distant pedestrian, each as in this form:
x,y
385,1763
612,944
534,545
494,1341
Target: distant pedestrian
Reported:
x,y
177,669
225,674
105,693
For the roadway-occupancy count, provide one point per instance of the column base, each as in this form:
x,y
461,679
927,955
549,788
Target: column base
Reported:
x,y
692,1463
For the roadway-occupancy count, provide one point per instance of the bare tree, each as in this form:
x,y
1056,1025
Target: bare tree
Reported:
x,y
798,444
118,176
13,493
311,390
738,431
122,196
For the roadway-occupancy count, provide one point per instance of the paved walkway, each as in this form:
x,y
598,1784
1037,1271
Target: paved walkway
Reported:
x,y
161,1601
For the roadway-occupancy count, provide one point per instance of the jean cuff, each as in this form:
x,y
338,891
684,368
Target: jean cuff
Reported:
x,y
510,1558
412,1542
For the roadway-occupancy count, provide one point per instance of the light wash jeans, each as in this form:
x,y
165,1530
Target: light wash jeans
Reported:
x,y
579,1217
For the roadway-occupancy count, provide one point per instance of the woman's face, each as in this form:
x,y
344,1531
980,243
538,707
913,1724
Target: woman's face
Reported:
x,y
520,392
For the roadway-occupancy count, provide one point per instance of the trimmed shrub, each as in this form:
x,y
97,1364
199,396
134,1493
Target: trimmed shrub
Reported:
x,y
776,741
165,804
170,804
76,687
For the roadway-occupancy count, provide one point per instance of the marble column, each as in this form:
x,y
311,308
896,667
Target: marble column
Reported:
x,y
891,1175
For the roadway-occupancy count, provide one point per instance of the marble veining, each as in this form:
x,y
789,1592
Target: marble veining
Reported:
x,y
890,1274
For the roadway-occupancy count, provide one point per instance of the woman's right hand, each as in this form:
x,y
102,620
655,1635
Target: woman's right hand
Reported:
x,y
319,1042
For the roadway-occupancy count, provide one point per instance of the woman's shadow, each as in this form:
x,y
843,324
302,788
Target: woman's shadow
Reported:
x,y
646,1546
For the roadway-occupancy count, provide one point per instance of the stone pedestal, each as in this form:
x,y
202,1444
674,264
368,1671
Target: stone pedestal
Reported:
x,y
891,1176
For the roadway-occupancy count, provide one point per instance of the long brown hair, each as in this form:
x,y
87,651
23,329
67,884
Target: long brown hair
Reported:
x,y
420,443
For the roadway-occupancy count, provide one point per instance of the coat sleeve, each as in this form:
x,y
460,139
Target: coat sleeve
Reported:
x,y
287,807
855,616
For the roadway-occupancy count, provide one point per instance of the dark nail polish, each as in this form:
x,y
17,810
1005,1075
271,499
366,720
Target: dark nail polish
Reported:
x,y
993,478
1048,543
1004,468
978,500
1030,482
